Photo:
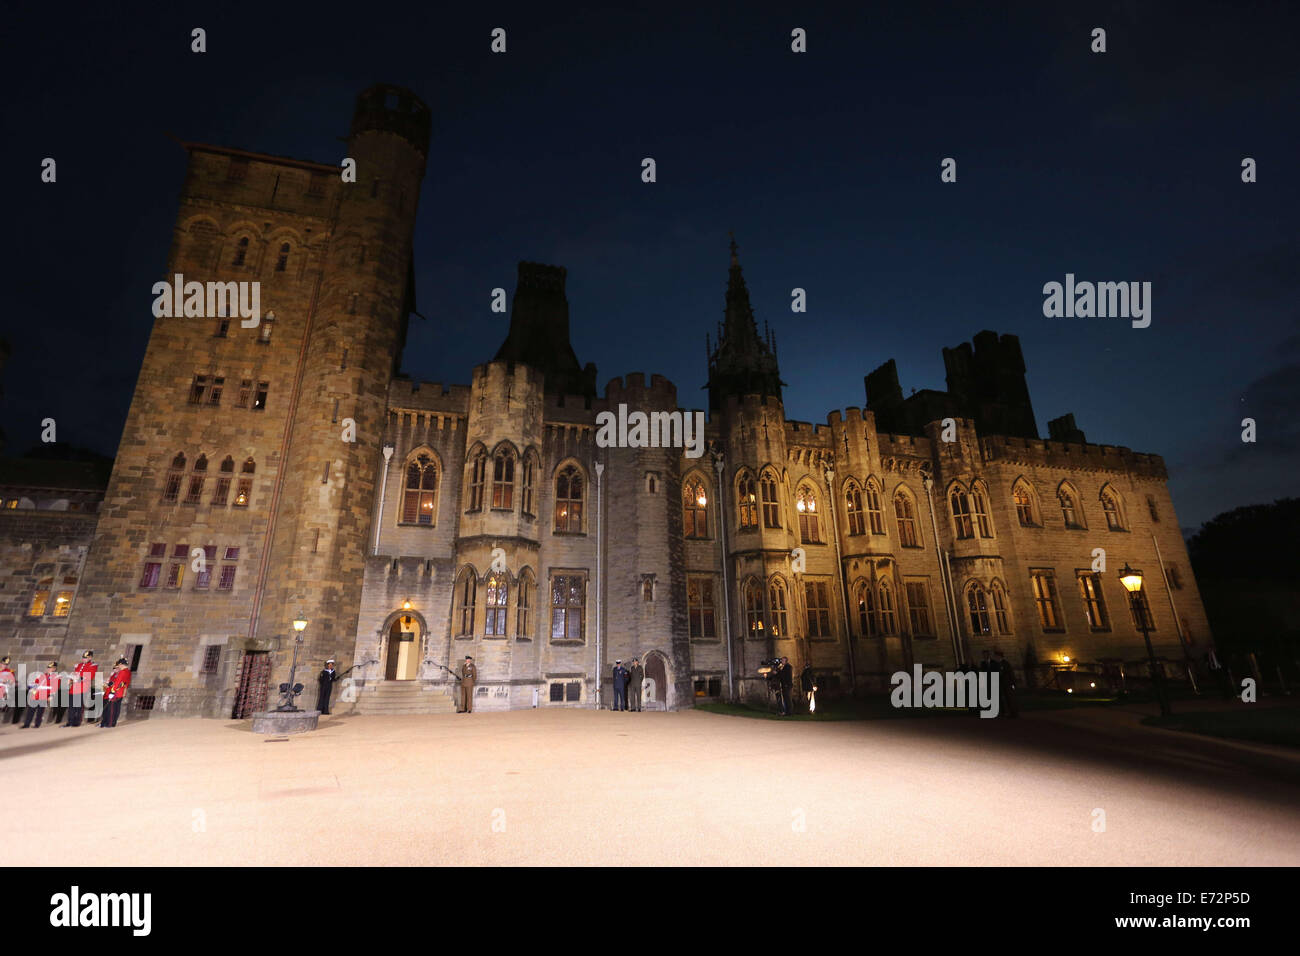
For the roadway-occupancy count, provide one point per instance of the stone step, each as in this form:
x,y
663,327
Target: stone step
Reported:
x,y
403,697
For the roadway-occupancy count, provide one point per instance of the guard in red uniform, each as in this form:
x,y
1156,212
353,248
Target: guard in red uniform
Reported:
x,y
83,677
8,688
115,693
41,688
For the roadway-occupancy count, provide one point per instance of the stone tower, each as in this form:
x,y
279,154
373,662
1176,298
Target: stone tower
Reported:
x,y
235,503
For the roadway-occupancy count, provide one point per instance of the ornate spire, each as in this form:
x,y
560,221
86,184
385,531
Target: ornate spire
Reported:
x,y
742,363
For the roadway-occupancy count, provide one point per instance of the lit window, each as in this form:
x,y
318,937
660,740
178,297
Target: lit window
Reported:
x,y
754,608
419,505
40,598
503,480
747,501
771,505
817,597
695,503
1094,603
978,607
1024,500
875,515
777,604
497,592
806,505
1043,585
568,500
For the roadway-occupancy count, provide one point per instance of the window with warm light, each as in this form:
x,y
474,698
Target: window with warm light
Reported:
x,y
568,500
419,505
747,501
805,504
695,502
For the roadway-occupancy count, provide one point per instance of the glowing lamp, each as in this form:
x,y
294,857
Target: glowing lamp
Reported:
x,y
406,605
300,626
1131,579
702,500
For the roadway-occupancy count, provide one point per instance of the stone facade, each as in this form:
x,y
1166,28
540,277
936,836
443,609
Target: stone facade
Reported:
x,y
412,524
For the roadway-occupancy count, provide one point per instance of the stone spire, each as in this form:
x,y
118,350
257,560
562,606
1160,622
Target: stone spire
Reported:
x,y
539,331
742,363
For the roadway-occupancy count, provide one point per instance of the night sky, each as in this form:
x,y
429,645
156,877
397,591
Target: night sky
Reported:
x,y
1123,166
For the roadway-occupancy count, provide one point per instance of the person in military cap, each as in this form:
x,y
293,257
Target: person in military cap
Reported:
x,y
635,675
115,692
620,685
325,686
83,677
39,690
468,675
8,688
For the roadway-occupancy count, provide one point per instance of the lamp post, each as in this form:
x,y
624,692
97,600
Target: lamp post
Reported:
x,y
289,691
1131,578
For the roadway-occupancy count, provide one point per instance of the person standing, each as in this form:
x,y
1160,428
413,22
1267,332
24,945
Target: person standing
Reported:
x,y
8,688
468,675
1006,686
786,676
39,689
620,686
83,676
635,676
808,682
325,686
115,692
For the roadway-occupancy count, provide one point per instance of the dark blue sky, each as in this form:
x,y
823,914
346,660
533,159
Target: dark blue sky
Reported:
x,y
1122,166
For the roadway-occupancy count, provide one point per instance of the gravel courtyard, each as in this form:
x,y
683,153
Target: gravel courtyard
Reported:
x,y
584,787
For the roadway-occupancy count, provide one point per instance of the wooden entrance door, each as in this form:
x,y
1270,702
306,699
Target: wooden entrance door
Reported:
x,y
254,677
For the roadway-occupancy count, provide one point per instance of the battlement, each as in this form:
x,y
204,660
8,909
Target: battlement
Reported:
x,y
754,402
1056,454
517,372
539,275
850,416
428,396
905,445
632,390
393,109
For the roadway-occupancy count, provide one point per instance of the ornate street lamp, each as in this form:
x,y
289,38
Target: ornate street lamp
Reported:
x,y
1131,578
289,691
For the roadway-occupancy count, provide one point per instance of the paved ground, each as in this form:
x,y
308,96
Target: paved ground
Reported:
x,y
579,787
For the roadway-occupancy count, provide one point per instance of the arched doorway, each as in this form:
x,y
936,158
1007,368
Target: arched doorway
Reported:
x,y
402,662
655,695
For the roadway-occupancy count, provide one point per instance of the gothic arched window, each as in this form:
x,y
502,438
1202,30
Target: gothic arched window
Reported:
x,y
695,509
777,607
241,252
754,608
963,527
1113,508
524,607
1026,512
503,480
888,618
420,496
466,597
806,504
498,590
747,501
977,605
866,609
282,261
875,514
172,489
1069,506
980,505
771,504
568,499
853,506
905,515
477,476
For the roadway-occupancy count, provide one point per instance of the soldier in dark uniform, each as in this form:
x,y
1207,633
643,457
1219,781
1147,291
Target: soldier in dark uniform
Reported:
x,y
620,686
468,675
324,686
635,676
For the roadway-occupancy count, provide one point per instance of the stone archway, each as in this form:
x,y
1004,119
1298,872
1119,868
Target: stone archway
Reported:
x,y
657,694
403,645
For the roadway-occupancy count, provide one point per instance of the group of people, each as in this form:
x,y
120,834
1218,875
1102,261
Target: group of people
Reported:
x,y
783,677
996,662
49,690
627,685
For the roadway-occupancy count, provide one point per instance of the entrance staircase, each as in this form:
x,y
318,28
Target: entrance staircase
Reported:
x,y
403,697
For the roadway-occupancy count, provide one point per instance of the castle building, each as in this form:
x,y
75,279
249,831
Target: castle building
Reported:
x,y
289,471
